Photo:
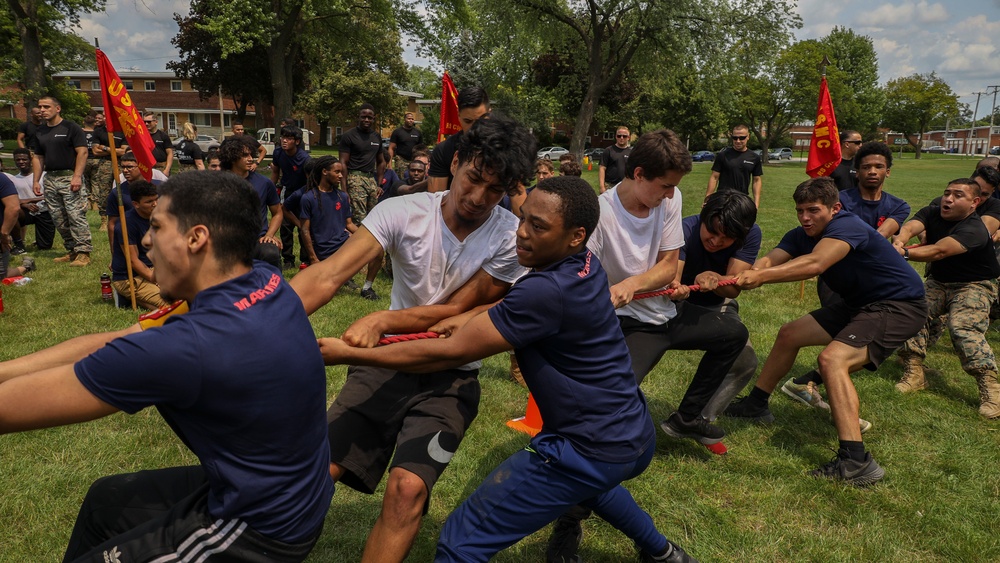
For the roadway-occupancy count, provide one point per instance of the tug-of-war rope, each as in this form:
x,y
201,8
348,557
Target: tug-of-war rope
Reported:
x,y
424,335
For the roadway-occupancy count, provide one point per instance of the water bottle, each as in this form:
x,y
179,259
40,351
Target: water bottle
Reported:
x,y
106,293
1,301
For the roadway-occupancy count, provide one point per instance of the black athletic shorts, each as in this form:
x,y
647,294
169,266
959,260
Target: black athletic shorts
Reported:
x,y
422,417
881,326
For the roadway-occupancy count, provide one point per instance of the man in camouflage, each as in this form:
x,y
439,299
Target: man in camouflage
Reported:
x,y
961,283
102,179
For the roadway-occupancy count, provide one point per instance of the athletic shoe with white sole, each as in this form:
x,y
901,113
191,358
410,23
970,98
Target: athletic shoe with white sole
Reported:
x,y
806,394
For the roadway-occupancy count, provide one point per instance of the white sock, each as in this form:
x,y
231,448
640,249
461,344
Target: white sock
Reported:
x,y
368,285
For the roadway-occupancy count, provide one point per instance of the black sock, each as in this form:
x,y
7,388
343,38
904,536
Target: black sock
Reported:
x,y
18,242
759,397
811,375
852,450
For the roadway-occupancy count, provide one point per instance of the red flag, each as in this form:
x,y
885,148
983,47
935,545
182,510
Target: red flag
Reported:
x,y
824,148
449,109
120,114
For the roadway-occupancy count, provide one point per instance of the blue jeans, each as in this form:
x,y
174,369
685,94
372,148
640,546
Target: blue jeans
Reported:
x,y
533,487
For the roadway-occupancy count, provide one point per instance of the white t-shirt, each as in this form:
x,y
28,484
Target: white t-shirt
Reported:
x,y
26,191
428,262
628,245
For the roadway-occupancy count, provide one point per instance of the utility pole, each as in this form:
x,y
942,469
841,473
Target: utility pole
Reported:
x,y
993,109
972,128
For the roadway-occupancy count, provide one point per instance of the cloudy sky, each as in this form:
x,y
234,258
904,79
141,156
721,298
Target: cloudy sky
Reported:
x,y
960,40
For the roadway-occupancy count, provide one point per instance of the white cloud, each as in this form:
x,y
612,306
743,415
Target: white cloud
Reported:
x,y
932,13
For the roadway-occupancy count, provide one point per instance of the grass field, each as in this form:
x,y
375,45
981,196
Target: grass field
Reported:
x,y
938,502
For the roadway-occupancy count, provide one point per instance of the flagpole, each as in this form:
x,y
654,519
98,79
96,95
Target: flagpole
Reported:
x,y
121,208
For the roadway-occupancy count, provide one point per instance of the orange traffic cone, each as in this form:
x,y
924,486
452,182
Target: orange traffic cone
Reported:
x,y
531,422
590,165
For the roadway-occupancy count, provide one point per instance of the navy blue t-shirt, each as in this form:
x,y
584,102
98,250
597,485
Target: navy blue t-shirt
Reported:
x,y
875,212
697,260
267,194
111,203
327,215
293,201
7,189
574,360
872,271
240,380
293,168
137,227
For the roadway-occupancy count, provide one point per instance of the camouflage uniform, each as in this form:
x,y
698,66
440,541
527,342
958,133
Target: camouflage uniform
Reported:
x,y
400,165
69,211
99,185
89,171
967,305
363,191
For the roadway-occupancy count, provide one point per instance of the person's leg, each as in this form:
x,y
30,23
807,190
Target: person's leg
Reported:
x,y
147,295
76,215
735,381
968,321
54,186
914,350
45,230
646,344
398,523
371,196
836,362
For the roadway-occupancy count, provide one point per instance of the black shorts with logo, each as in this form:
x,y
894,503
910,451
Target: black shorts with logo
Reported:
x,y
881,326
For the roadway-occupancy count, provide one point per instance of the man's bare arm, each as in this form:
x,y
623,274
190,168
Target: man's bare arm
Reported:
x,y
758,183
52,397
663,273
825,254
64,353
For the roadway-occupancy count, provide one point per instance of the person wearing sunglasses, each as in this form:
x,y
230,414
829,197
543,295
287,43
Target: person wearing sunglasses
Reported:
x,y
613,161
163,148
736,168
845,174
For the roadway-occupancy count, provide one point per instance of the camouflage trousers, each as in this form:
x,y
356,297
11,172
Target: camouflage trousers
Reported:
x,y
363,192
69,212
97,176
967,306
400,165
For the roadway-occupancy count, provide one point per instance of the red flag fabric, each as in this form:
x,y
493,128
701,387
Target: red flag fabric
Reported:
x,y
824,148
449,109
120,114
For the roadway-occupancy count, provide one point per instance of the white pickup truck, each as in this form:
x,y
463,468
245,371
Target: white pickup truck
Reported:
x,y
268,138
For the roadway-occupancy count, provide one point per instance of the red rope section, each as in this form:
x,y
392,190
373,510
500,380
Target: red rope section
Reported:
x,y
694,287
407,337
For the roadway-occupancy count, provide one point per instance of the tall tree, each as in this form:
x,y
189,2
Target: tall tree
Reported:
x,y
202,61
914,102
860,106
43,38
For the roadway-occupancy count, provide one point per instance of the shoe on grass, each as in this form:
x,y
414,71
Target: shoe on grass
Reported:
x,y
699,429
806,394
857,473
564,543
17,250
865,425
67,258
674,554
349,284
369,294
743,408
82,259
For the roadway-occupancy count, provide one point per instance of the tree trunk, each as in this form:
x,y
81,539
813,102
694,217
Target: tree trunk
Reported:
x,y
26,16
581,130
281,80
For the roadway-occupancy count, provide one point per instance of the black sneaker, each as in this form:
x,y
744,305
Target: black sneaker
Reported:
x,y
564,541
17,250
857,473
369,294
349,284
674,554
699,429
743,408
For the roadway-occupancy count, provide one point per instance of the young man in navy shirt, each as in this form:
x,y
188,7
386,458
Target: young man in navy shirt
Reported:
x,y
147,293
288,173
253,414
961,282
883,305
236,155
561,323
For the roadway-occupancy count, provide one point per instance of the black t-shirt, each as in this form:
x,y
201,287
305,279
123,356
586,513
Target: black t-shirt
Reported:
x,y
57,145
161,142
845,175
29,129
614,160
188,151
405,141
736,169
91,139
101,138
978,264
363,149
442,156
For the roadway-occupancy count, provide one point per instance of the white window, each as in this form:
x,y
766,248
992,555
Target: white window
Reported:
x,y
176,86
95,85
150,85
172,123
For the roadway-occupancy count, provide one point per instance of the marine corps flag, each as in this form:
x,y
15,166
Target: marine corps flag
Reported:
x,y
449,109
120,114
824,149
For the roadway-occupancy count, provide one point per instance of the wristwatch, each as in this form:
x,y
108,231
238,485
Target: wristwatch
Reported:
x,y
906,254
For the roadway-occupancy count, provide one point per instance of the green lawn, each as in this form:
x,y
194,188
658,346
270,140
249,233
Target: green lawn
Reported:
x,y
938,502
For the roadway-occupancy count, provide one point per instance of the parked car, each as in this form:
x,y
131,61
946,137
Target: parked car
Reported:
x,y
937,149
703,156
594,154
267,138
552,153
784,153
995,150
206,142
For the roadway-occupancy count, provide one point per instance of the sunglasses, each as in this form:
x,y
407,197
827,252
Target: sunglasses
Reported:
x,y
739,137
622,136
147,122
